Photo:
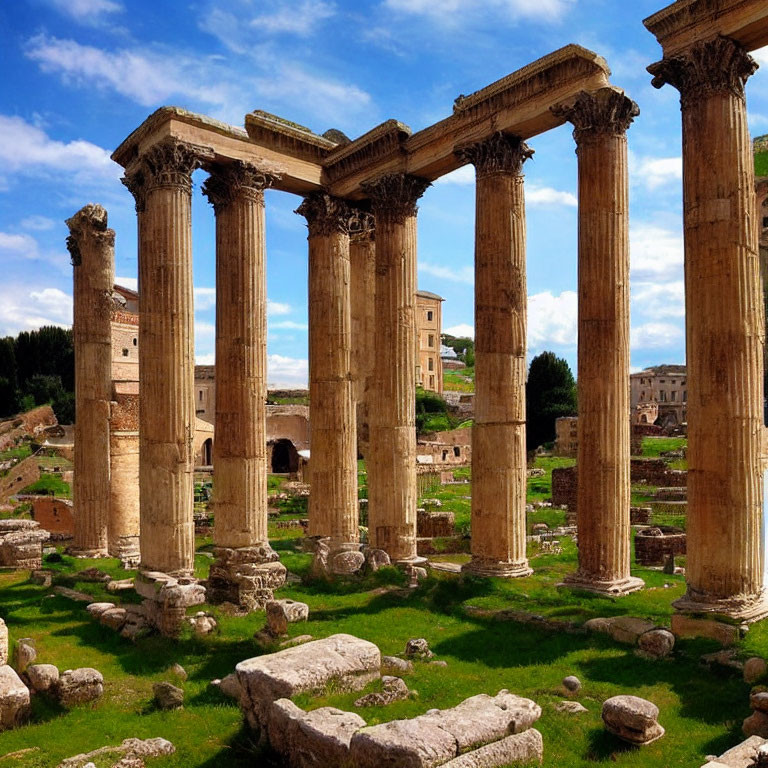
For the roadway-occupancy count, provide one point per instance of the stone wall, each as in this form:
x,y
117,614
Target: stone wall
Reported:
x,y
432,524
29,424
567,436
657,472
653,545
54,515
564,485
19,477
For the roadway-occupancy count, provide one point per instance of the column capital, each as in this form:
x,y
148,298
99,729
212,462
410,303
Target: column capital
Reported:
x,y
604,111
394,195
169,163
325,214
719,65
238,179
362,225
501,153
89,221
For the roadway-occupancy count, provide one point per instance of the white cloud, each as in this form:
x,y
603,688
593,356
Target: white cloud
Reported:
x,y
657,300
287,371
23,309
655,172
463,175
278,308
288,324
656,253
296,18
209,359
457,12
205,298
128,282
38,223
552,320
462,329
761,56
464,274
18,245
87,11
655,335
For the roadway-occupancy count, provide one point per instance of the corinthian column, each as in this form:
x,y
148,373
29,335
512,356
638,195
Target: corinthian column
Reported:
x,y
499,477
601,120
724,331
162,185
392,462
240,449
333,510
92,247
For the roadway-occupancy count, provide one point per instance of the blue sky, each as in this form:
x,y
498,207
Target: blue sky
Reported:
x,y
79,75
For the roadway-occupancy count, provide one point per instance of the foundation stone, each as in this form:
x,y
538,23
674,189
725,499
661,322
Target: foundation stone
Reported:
x,y
245,576
14,699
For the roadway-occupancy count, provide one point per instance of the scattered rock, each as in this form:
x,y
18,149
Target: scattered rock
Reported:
x,y
119,585
418,648
14,699
96,609
168,696
571,707
178,671
756,725
298,640
723,658
134,750
281,613
114,618
628,629
394,665
759,701
230,686
375,559
598,625
572,683
632,719
73,594
93,574
3,643
42,577
438,663
24,654
43,677
754,669
394,689
78,686
203,623
346,562
657,643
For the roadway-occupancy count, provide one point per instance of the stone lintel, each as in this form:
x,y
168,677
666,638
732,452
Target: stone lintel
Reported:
x,y
745,609
685,22
613,588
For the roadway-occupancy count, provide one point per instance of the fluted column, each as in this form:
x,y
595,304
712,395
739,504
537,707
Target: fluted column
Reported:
x,y
724,331
392,462
333,509
600,122
362,264
499,476
162,184
92,247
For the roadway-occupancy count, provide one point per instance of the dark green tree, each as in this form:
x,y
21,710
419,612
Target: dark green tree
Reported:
x,y
8,381
550,393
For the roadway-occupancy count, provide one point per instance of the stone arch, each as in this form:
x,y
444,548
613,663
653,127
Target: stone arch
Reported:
x,y
206,452
285,457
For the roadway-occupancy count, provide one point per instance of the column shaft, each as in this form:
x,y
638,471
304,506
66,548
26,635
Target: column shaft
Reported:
x,y
724,332
601,120
92,247
392,463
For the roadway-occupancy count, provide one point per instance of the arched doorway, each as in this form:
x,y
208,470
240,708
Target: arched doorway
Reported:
x,y
285,457
207,452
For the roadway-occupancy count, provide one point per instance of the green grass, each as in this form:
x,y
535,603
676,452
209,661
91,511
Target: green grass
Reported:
x,y
462,380
540,488
655,446
761,164
19,451
51,485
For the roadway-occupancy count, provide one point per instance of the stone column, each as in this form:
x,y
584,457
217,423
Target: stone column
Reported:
x,y
333,509
92,247
362,263
724,332
499,471
392,462
600,122
240,446
161,181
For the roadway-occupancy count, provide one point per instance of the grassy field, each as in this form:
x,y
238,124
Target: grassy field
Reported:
x,y
462,380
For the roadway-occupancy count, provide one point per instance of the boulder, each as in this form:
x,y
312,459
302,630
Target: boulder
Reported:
x,y
375,559
3,643
628,629
754,669
394,665
346,562
24,654
349,662
43,677
14,699
418,648
393,689
756,725
656,643
96,609
741,756
571,707
632,719
230,686
523,748
281,613
317,739
78,686
178,671
114,618
202,623
572,683
168,696
759,701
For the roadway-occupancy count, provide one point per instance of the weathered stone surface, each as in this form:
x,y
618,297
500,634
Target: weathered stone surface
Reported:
x,y
740,756
759,701
168,696
298,640
598,625
628,629
245,576
119,585
572,683
42,677
754,669
657,643
346,562
78,686
526,747
348,661
756,725
689,626
3,643
394,665
317,739
281,613
632,719
14,699
178,671
375,559
21,544
96,609
571,707
24,654
394,689
114,618
129,750
418,648
73,594
230,686
203,623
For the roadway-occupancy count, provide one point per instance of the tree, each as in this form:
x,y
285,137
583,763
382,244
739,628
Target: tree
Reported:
x,y
8,382
549,394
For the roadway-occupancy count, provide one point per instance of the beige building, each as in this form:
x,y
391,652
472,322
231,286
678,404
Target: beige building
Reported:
x,y
665,385
429,322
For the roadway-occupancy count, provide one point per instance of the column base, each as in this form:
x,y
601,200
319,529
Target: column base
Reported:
x,y
745,609
126,549
486,566
83,553
166,599
245,576
610,588
333,557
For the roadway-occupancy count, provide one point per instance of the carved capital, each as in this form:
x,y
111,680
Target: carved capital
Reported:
x,y
362,225
237,180
501,153
169,163
720,65
394,195
601,112
325,214
89,222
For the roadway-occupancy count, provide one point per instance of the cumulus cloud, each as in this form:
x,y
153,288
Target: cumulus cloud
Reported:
x,y
655,335
455,12
294,18
659,299
25,309
656,172
288,325
38,223
287,371
656,253
552,319
89,12
205,298
278,308
761,56
462,329
23,246
462,274
128,282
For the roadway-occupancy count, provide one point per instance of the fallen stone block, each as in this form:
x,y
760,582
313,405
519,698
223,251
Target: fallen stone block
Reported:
x,y
14,699
741,756
73,594
394,665
628,629
79,686
3,643
394,689
347,661
43,677
129,750
114,618
632,719
525,747
96,609
281,613
689,626
24,654
168,696
656,643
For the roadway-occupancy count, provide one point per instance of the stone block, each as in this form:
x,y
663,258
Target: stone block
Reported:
x,y
691,626
24,654
168,696
96,609
14,699
79,686
347,661
281,613
754,669
740,756
3,643
42,677
114,618
346,562
657,643
628,629
632,719
526,747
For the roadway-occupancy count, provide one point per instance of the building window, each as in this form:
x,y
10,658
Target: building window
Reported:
x,y
431,364
135,341
661,381
429,315
430,341
431,382
445,455
685,395
642,395
673,395
662,396
125,352
456,451
200,395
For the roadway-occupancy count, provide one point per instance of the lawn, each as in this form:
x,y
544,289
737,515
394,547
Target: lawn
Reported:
x,y
461,380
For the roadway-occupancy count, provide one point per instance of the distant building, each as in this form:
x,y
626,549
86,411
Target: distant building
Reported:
x,y
429,321
664,385
566,436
